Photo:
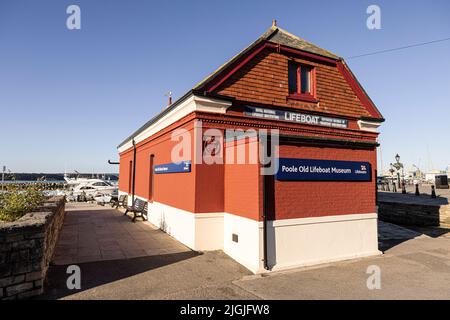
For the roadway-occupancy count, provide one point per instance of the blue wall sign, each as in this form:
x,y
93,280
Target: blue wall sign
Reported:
x,y
322,170
183,166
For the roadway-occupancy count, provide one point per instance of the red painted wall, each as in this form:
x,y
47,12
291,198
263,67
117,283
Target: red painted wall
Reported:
x,y
237,188
242,188
301,199
201,190
176,189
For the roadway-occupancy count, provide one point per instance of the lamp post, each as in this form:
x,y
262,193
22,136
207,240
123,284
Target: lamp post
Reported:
x,y
392,170
398,165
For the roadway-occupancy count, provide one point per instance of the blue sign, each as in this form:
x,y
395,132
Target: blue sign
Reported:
x,y
176,167
322,170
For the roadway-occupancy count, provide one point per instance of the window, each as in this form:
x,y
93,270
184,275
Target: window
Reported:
x,y
130,172
100,184
301,80
151,177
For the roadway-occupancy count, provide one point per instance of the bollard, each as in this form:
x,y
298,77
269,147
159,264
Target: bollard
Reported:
x,y
433,192
417,190
403,188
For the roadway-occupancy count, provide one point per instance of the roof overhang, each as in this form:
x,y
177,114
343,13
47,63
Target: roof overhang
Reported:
x,y
182,107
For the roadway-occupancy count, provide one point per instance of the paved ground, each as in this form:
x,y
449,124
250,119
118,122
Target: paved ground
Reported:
x,y
95,233
416,269
423,199
416,265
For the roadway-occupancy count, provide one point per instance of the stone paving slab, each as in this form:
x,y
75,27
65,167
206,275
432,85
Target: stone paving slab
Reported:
x,y
414,269
410,198
182,275
389,231
95,233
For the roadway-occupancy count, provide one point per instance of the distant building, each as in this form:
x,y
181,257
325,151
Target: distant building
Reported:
x,y
431,175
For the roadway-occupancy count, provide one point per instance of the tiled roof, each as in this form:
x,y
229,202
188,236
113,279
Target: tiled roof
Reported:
x,y
273,34
279,36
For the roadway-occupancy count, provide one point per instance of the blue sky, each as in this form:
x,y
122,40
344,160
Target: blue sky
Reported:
x,y
69,97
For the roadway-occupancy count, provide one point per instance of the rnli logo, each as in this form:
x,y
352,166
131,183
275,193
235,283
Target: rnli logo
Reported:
x,y
362,169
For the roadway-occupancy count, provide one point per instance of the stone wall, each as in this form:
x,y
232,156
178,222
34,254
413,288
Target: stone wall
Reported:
x,y
408,214
444,216
409,209
26,249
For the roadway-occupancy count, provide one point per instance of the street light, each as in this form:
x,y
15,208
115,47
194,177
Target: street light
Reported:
x,y
398,165
392,170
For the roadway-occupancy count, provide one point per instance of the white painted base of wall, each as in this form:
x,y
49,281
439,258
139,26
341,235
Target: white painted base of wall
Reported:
x,y
198,231
309,241
291,243
248,249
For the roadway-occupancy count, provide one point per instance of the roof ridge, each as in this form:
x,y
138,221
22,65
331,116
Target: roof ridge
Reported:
x,y
303,40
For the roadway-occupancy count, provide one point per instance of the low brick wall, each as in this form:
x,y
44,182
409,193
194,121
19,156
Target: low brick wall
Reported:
x,y
411,210
26,249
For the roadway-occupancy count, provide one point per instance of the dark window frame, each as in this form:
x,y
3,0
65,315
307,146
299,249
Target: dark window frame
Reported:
x,y
295,74
151,180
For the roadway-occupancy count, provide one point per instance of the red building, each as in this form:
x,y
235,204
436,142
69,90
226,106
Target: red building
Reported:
x,y
320,204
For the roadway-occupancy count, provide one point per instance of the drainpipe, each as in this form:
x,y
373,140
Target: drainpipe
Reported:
x,y
376,188
265,207
266,263
134,173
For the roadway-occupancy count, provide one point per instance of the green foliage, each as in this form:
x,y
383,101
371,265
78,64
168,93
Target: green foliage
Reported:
x,y
15,203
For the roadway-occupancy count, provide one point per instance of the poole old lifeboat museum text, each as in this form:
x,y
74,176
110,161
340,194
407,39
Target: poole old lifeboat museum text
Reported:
x,y
271,158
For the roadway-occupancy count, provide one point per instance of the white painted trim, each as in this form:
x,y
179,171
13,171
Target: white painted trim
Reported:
x,y
209,215
193,103
324,219
370,126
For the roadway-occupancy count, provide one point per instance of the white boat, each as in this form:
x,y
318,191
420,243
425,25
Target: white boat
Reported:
x,y
92,188
74,179
103,198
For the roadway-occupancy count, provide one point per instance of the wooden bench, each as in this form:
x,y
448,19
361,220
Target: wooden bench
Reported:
x,y
139,209
121,202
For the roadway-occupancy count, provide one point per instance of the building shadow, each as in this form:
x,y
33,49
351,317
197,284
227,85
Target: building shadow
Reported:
x,y
421,215
432,232
95,274
408,233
